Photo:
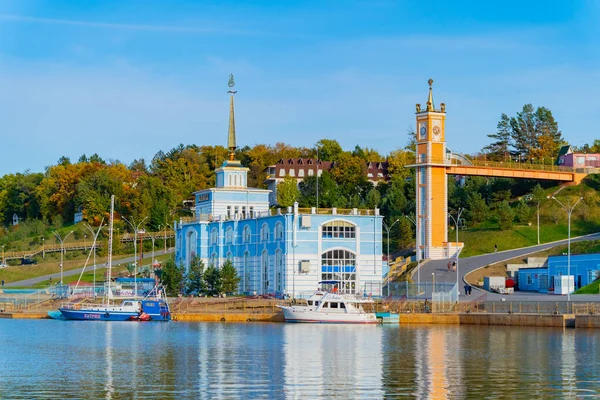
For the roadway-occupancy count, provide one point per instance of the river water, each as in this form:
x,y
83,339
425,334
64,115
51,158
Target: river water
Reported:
x,y
48,359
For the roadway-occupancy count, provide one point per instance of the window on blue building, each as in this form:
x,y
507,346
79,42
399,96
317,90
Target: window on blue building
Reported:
x,y
214,236
229,235
264,233
279,271
229,256
213,260
529,280
340,266
339,230
246,277
247,234
279,231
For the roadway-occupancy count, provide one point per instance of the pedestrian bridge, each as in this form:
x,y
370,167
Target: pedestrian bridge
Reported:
x,y
457,164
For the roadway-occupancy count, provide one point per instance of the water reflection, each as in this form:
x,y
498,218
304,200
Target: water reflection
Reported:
x,y
333,360
53,359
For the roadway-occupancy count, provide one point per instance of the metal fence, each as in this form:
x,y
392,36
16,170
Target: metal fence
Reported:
x,y
443,291
541,307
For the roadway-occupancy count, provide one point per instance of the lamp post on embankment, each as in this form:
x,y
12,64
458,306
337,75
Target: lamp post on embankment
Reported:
x,y
136,229
387,228
456,221
62,251
569,211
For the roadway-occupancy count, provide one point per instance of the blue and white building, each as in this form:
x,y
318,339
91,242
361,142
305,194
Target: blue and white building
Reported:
x,y
585,268
279,251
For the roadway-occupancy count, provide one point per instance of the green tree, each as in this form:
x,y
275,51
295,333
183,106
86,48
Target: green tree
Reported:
x,y
172,277
499,150
287,192
329,150
373,198
523,212
212,278
229,278
397,162
476,207
195,278
505,215
405,234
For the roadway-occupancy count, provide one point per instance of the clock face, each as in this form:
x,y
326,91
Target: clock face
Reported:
x,y
436,133
423,131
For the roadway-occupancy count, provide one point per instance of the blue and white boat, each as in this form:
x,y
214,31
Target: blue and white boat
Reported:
x,y
153,307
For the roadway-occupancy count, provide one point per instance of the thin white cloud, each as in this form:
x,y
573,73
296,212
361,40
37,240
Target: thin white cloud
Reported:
x,y
131,27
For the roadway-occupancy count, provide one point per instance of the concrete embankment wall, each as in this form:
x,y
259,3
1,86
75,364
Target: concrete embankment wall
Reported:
x,y
228,317
546,320
587,321
24,315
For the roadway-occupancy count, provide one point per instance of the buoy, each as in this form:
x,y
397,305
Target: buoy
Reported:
x,y
222,319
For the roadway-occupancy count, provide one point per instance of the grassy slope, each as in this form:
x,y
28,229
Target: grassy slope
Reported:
x,y
482,239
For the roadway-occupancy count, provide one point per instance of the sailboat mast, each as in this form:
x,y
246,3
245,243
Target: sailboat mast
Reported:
x,y
110,243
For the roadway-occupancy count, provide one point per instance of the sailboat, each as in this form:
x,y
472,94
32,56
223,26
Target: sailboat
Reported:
x,y
153,307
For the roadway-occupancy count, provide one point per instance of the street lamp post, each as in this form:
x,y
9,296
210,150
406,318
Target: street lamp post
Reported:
x,y
569,211
135,232
95,236
153,238
43,247
62,252
387,228
456,221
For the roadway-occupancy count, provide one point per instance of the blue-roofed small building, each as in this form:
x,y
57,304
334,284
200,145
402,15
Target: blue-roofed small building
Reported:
x,y
585,268
279,251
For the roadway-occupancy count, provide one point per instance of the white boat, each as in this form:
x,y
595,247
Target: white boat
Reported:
x,y
324,307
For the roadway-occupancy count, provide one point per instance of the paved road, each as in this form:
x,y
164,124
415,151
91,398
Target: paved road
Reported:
x,y
466,265
56,277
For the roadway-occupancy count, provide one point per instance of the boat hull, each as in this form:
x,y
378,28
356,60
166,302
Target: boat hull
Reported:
x,y
298,315
145,310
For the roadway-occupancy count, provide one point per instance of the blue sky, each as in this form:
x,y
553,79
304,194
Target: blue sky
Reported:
x,y
128,78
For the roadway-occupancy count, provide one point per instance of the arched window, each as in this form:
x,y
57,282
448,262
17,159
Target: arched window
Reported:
x,y
339,265
264,233
279,231
246,276
278,271
213,260
265,271
247,234
229,235
339,230
214,236
229,256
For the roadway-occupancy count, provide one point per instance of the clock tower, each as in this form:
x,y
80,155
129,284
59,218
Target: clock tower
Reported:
x,y
432,181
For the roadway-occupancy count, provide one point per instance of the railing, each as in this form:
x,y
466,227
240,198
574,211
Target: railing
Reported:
x,y
13,255
209,305
508,165
273,212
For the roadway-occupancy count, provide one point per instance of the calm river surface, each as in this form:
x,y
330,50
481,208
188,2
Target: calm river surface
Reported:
x,y
44,359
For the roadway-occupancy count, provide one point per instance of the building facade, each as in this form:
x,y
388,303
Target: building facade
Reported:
x,y
585,268
568,158
300,168
281,252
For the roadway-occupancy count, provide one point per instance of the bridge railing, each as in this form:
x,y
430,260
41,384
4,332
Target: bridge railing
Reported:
x,y
506,164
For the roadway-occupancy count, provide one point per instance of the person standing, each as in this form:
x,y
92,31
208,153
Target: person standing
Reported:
x,y
495,248
466,289
470,289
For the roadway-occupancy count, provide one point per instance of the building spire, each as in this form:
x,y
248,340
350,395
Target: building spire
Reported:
x,y
231,138
430,106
